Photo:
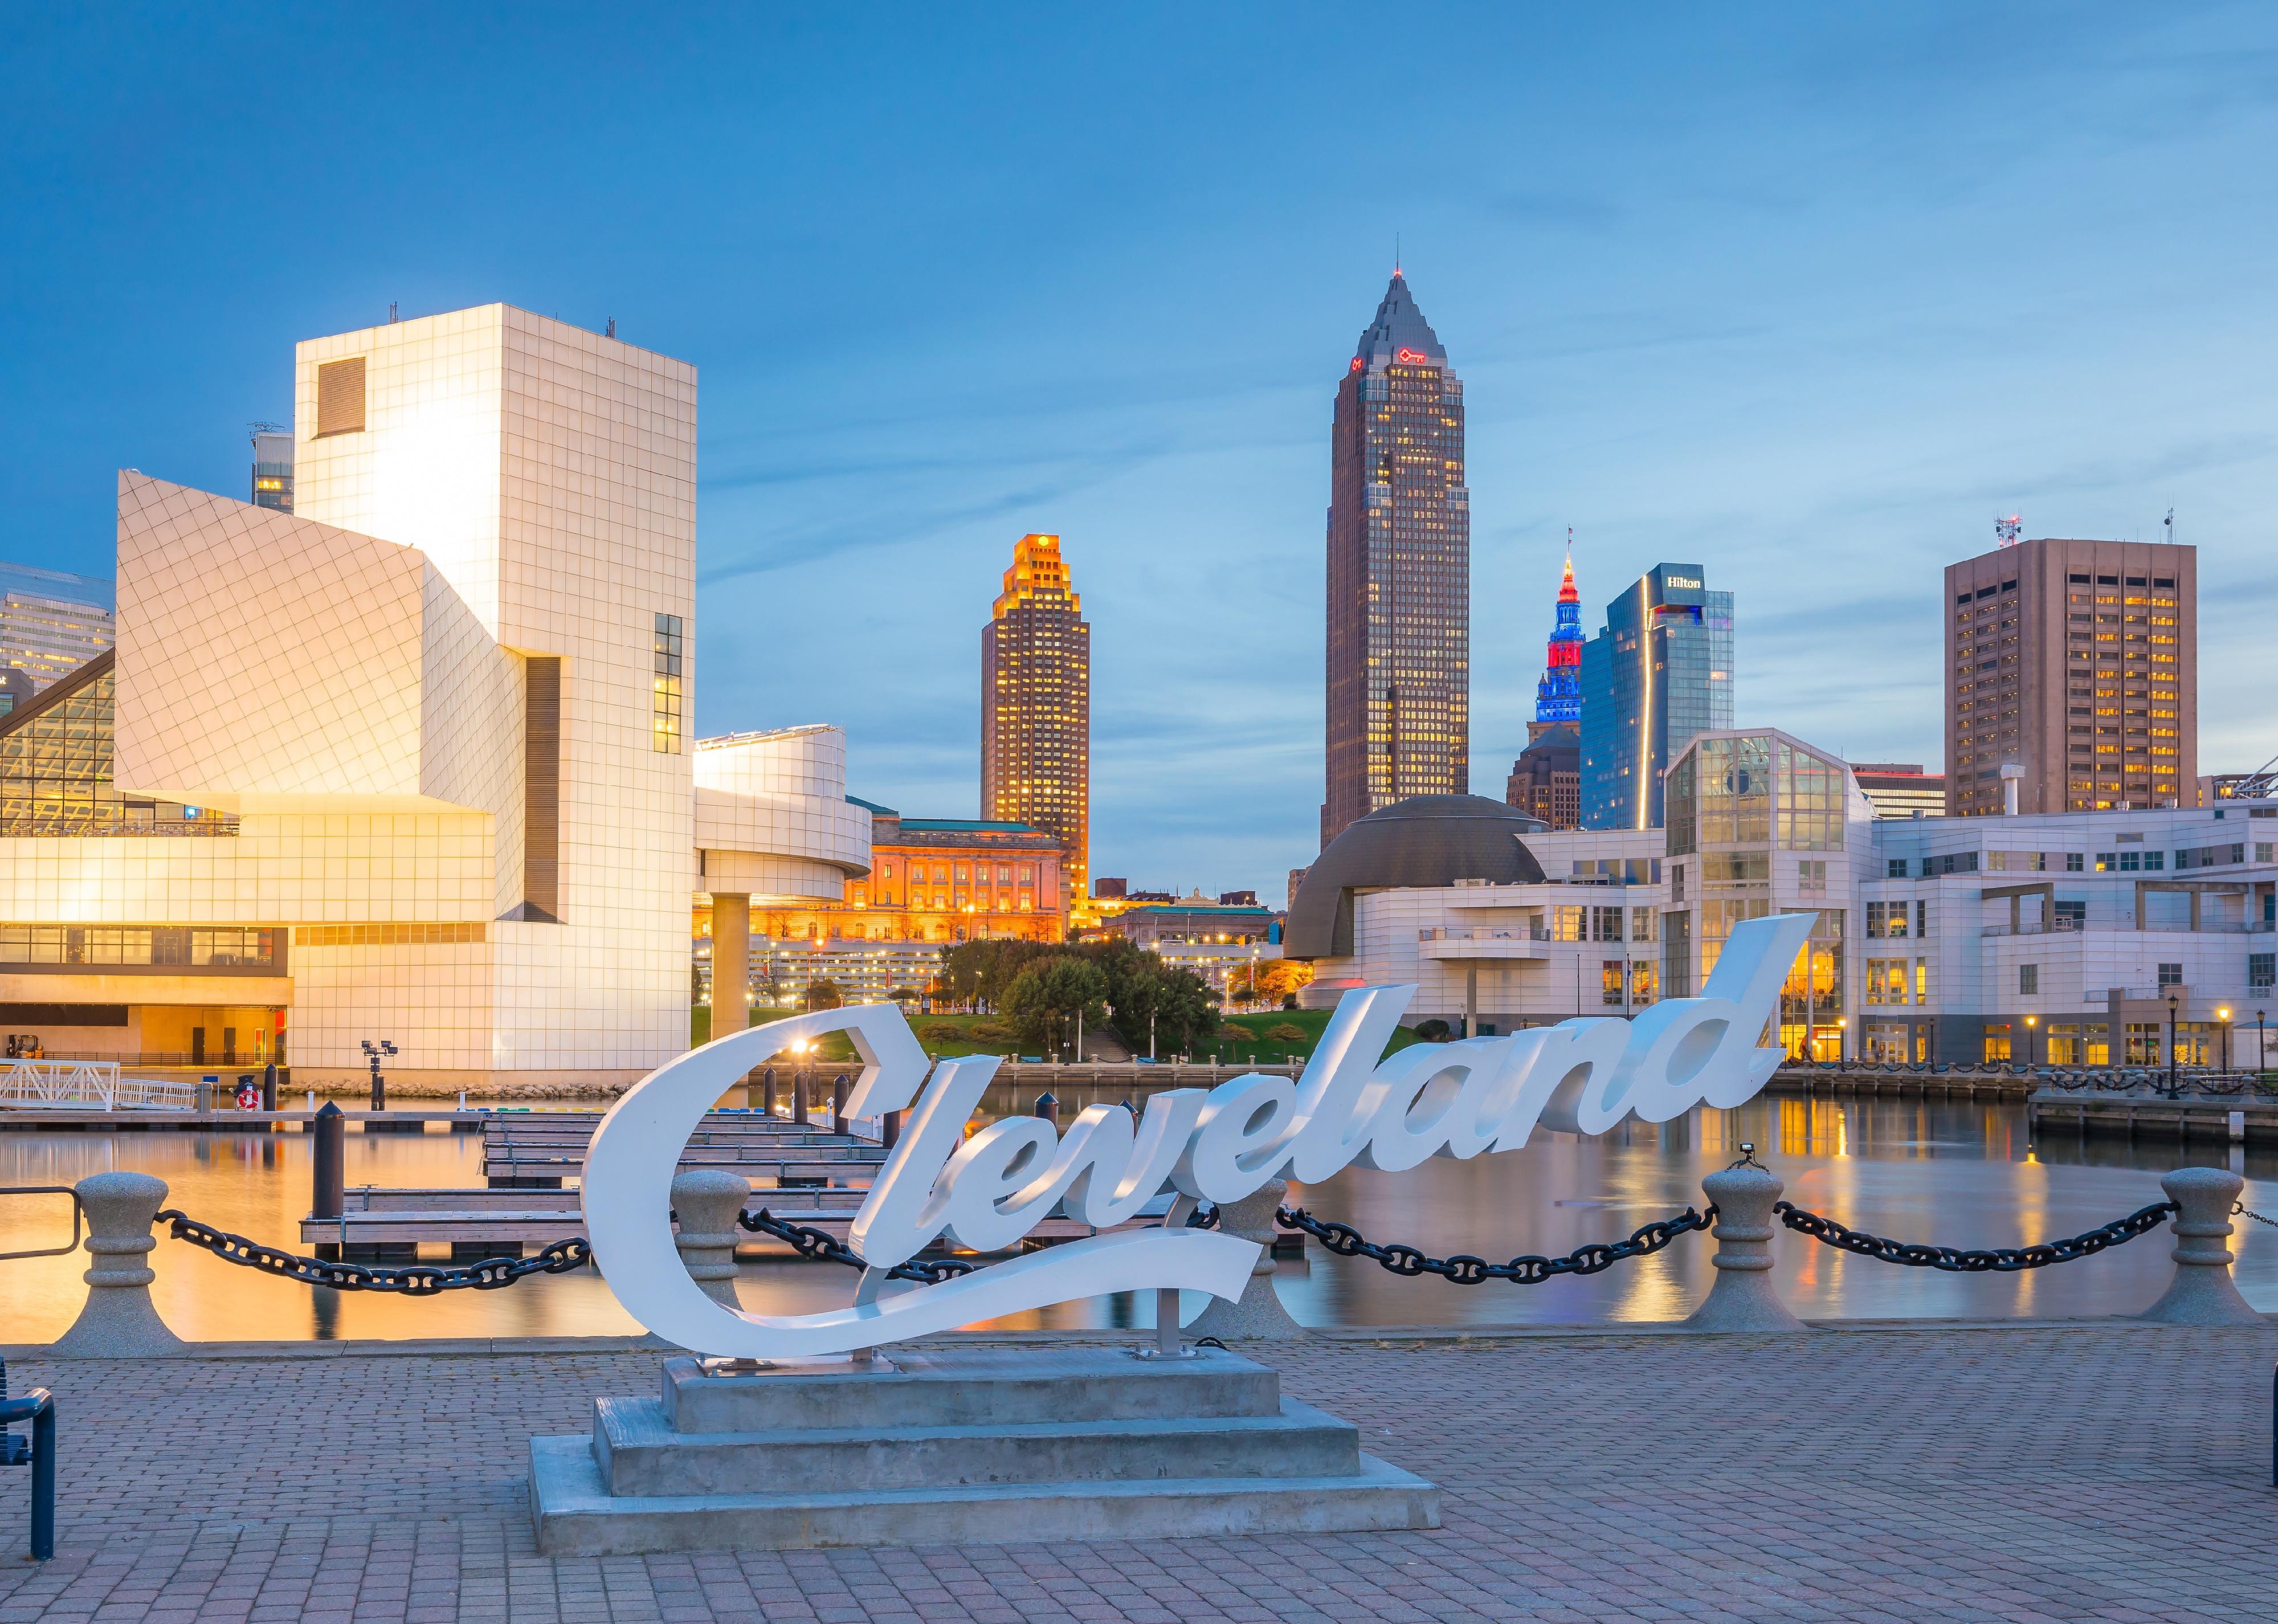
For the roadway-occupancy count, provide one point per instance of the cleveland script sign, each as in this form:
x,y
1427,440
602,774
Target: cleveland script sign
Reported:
x,y
986,1192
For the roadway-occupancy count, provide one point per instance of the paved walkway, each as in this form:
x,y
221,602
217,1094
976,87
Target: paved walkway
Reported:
x,y
2040,1473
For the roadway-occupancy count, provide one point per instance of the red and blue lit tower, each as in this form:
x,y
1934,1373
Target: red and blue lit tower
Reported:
x,y
1558,696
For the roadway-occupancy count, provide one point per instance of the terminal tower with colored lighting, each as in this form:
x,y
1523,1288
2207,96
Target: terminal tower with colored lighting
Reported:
x,y
1558,696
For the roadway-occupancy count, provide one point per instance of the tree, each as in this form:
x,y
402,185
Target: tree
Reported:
x,y
1045,998
978,973
1267,981
1183,1008
1280,978
823,993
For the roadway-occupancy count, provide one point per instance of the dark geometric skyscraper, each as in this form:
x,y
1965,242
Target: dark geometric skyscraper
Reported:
x,y
1558,696
1400,571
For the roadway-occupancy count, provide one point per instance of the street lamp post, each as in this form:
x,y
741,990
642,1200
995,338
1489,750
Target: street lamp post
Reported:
x,y
2175,1076
2032,1021
373,1051
2223,1016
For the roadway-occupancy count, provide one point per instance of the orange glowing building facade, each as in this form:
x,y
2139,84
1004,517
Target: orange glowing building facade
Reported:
x,y
936,880
1036,706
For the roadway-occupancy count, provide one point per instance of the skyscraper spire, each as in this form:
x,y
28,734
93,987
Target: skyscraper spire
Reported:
x,y
1558,696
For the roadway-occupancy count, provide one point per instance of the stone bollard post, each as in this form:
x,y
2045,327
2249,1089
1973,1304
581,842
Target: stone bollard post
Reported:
x,y
119,1321
1259,1313
2203,1292
1741,1299
707,1201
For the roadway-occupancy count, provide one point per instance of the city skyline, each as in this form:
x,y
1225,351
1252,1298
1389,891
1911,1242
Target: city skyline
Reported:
x,y
1900,313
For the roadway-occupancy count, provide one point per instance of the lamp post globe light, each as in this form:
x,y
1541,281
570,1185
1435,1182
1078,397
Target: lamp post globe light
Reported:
x,y
2174,1078
2223,1016
2032,1025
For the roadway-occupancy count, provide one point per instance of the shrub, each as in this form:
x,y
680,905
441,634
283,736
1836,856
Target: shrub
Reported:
x,y
1287,1031
1433,1031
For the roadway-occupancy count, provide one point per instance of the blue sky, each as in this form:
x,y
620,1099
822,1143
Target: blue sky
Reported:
x,y
1807,294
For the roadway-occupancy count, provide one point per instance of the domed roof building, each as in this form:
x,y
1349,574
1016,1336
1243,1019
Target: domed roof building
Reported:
x,y
1423,843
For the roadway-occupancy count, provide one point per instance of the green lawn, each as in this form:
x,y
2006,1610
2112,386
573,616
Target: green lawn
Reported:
x,y
956,1034
1264,1050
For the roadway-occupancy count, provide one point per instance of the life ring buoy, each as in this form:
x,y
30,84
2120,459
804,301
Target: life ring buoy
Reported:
x,y
249,1097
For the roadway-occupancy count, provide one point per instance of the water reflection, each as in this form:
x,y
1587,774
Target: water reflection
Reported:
x,y
1956,1175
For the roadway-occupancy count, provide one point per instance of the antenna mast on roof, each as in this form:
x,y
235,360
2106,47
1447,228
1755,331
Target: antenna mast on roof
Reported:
x,y
2007,530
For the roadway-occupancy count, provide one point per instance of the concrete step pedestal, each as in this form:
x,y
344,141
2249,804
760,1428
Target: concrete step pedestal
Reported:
x,y
940,1446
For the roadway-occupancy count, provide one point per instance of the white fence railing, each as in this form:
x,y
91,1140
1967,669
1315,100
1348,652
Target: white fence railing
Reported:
x,y
85,1084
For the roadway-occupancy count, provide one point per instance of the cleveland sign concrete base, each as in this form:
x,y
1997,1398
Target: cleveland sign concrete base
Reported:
x,y
942,1446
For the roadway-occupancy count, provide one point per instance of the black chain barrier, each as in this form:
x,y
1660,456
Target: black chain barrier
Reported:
x,y
416,1280
2239,1207
821,1245
2000,1261
1409,1262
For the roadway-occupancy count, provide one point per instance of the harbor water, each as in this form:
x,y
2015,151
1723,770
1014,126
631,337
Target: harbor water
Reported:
x,y
1950,1174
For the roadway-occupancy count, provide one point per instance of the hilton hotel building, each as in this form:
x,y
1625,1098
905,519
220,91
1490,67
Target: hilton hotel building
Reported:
x,y
2077,663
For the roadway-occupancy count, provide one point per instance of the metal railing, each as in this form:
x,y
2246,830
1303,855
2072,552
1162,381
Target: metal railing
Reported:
x,y
2064,924
1485,933
37,1451
85,1084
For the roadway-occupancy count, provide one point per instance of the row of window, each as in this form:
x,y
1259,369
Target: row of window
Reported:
x,y
1897,980
944,901
1626,984
155,945
1597,923
1898,919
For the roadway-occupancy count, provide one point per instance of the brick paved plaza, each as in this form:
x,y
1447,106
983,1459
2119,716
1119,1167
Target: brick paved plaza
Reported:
x,y
2041,1471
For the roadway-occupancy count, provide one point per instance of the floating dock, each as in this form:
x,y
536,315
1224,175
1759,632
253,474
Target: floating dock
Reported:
x,y
93,1119
2241,1119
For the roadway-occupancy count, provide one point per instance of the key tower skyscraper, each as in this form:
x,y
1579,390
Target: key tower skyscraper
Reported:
x,y
1399,573
1036,708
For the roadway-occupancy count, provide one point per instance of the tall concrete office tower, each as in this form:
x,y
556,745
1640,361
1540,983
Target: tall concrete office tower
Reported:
x,y
1399,574
2076,662
1660,671
1036,706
